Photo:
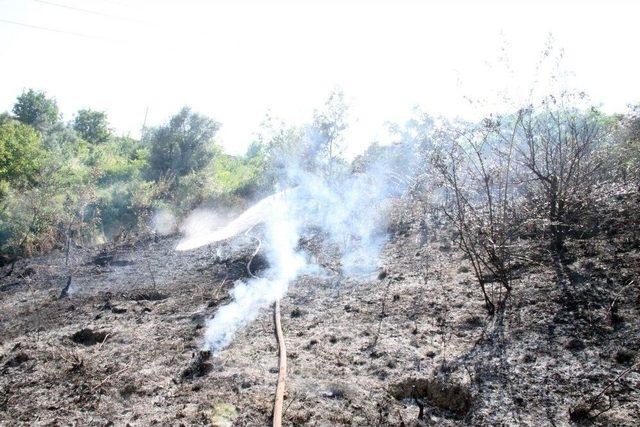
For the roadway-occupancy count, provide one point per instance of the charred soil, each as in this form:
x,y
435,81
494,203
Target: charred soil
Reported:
x,y
412,345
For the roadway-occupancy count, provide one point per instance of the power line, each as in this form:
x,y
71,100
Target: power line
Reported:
x,y
113,2
54,30
88,11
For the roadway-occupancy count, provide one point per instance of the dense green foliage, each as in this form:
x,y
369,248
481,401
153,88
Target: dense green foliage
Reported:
x,y
20,153
35,109
182,146
92,126
77,183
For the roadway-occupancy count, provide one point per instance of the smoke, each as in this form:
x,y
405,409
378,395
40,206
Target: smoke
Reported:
x,y
163,222
349,208
199,229
280,245
203,227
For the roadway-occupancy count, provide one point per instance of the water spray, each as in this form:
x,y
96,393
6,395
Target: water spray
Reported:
x,y
280,250
351,213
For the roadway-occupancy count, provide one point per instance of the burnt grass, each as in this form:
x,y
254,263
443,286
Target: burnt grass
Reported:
x,y
410,345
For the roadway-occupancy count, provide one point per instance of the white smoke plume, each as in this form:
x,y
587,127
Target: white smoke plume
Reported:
x,y
163,222
203,227
280,243
198,229
350,210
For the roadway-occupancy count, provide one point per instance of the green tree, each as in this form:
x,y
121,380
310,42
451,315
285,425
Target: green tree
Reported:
x,y
183,145
35,109
92,126
123,197
20,153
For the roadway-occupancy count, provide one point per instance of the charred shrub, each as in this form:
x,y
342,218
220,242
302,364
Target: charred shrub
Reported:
x,y
89,337
625,356
446,395
198,367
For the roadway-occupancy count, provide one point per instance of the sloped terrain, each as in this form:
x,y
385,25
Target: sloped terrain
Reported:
x,y
412,345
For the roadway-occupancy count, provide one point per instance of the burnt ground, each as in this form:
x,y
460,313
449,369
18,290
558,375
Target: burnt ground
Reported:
x,y
411,346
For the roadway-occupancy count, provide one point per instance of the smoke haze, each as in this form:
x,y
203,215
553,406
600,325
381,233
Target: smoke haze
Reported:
x,y
350,209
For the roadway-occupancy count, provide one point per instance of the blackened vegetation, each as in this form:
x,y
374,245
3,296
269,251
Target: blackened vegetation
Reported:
x,y
89,337
65,291
548,190
15,275
453,398
107,258
16,360
148,295
237,262
10,286
199,365
517,187
438,358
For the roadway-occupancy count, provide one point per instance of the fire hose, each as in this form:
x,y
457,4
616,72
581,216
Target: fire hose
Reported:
x,y
282,351
282,371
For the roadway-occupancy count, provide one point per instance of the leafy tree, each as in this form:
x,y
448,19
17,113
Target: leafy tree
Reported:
x,y
35,109
123,198
240,176
43,205
120,159
182,146
20,153
65,143
92,126
256,161
634,123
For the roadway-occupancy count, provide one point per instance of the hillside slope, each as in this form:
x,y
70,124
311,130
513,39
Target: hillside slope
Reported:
x,y
412,345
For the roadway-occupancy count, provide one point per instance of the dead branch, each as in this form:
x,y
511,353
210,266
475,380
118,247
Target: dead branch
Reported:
x,y
99,347
584,410
255,252
215,296
65,291
153,277
291,402
383,314
594,401
108,377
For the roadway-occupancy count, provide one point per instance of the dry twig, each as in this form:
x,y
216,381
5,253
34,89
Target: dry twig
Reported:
x,y
108,377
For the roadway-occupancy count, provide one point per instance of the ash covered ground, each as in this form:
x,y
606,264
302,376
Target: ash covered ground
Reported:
x,y
412,345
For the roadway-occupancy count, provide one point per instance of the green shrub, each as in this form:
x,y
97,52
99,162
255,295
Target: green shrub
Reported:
x,y
21,153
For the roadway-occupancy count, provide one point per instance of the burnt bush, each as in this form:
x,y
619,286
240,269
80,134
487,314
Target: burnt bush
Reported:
x,y
449,396
199,366
516,187
89,337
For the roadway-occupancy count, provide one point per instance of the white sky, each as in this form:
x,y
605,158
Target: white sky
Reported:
x,y
235,60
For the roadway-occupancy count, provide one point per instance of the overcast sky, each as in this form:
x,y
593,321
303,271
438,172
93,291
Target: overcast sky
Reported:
x,y
235,60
